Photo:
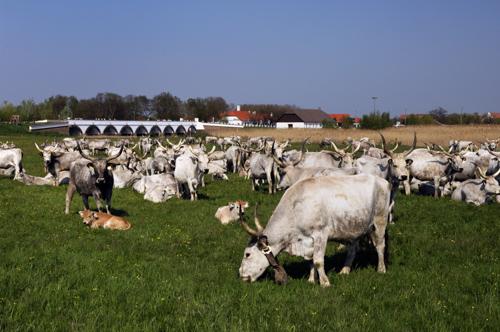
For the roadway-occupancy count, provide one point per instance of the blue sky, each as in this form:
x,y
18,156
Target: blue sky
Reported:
x,y
413,55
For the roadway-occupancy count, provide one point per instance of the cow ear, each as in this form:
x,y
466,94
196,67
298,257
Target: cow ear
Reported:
x,y
409,162
110,168
231,206
81,213
94,215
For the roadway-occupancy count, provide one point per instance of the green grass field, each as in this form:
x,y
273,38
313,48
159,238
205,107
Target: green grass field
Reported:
x,y
177,267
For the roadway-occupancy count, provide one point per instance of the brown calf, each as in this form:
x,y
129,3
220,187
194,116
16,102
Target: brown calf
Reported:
x,y
104,220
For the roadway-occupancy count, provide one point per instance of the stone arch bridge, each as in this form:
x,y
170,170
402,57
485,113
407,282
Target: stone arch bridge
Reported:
x,y
125,128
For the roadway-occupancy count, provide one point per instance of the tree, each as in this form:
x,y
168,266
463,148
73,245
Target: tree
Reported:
x,y
376,120
439,114
167,106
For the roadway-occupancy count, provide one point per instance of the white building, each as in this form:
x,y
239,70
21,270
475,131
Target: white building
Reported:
x,y
301,118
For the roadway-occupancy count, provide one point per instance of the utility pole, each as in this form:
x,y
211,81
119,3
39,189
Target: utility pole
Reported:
x,y
374,104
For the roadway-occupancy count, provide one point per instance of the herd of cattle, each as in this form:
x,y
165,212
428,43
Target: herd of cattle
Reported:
x,y
334,194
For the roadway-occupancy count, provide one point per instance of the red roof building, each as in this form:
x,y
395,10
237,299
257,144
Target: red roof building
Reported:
x,y
494,115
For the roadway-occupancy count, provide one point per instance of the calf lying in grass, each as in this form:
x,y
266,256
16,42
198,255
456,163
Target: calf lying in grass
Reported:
x,y
231,212
104,220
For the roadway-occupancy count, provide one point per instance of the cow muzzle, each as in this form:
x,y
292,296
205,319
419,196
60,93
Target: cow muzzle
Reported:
x,y
100,180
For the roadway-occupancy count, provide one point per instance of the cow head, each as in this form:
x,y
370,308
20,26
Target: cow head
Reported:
x,y
401,162
48,153
99,166
201,158
347,157
258,255
490,184
88,217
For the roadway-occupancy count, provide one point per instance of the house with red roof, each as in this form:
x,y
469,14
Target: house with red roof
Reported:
x,y
240,117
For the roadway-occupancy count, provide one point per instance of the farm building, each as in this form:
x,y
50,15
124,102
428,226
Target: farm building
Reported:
x,y
240,117
301,118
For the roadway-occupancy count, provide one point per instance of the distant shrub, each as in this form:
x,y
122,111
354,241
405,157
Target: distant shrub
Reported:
x,y
376,120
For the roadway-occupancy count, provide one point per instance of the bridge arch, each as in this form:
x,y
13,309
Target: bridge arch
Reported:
x,y
126,131
168,131
155,131
110,131
141,131
75,131
92,131
180,130
192,130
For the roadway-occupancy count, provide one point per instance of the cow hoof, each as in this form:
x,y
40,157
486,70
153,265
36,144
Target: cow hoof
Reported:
x,y
325,284
381,270
345,270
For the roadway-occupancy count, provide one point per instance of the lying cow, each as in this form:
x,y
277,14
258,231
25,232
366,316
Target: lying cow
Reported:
x,y
104,220
478,191
231,212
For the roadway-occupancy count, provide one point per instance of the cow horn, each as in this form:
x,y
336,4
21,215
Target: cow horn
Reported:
x,y
396,147
115,156
493,153
384,146
481,173
256,220
284,145
84,155
444,151
159,143
211,151
192,151
134,146
38,148
168,142
413,146
279,162
356,149
336,149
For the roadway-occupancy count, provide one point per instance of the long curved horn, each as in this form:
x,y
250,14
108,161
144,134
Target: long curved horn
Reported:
x,y
38,148
192,151
302,153
132,148
414,145
395,148
159,143
481,173
337,156
384,146
115,156
279,162
83,154
284,145
336,149
444,151
211,151
256,220
168,142
493,153
249,230
497,173
356,149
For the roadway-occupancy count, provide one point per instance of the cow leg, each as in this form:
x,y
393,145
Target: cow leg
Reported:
x,y
352,249
406,185
253,183
312,273
378,239
319,259
85,200
436,187
108,203
191,190
270,182
97,199
69,196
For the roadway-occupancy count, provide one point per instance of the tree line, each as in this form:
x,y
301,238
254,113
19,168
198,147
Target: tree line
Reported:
x,y
115,107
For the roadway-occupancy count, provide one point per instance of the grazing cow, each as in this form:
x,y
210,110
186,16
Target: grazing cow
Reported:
x,y
218,168
478,191
91,177
12,158
99,145
189,170
104,220
313,211
232,156
231,212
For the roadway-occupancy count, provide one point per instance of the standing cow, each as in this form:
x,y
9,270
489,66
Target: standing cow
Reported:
x,y
91,177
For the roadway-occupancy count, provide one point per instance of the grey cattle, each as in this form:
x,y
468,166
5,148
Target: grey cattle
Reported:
x,y
56,160
99,145
12,158
290,175
263,167
433,166
147,182
478,191
31,180
231,212
457,146
218,168
124,177
313,211
189,170
91,177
